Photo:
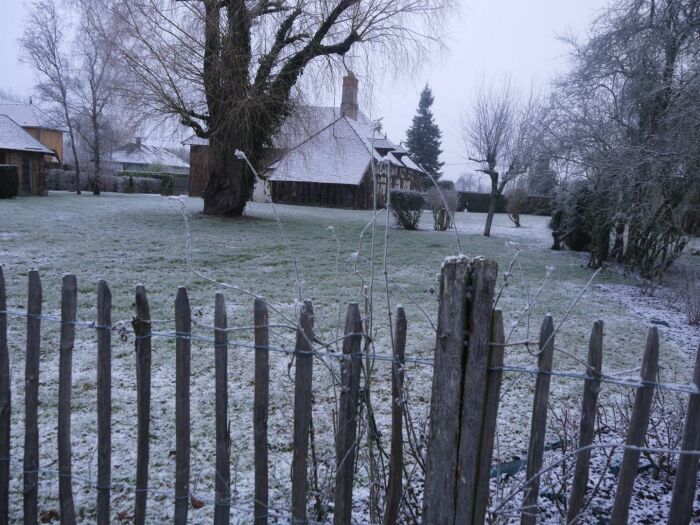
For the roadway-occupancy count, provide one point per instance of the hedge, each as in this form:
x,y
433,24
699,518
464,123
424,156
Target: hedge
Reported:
x,y
479,203
9,181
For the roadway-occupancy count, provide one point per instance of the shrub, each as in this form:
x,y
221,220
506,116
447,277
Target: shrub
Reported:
x,y
130,185
516,201
443,204
407,207
690,293
9,181
167,185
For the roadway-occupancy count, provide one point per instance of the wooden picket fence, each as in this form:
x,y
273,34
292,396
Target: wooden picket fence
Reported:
x,y
468,369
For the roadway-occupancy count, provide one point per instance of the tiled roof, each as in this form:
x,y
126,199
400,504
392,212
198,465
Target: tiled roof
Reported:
x,y
13,137
135,153
321,145
26,115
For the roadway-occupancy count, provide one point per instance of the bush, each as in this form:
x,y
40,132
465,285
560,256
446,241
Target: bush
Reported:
x,y
407,207
442,215
167,185
690,293
9,181
479,202
515,205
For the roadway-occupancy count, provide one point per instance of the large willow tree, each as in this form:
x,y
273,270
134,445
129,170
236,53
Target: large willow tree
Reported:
x,y
228,68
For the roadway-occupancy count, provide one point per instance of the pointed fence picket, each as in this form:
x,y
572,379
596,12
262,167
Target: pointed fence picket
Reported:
x,y
468,371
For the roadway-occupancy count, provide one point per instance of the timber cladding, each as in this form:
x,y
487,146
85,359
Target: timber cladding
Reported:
x,y
50,138
30,168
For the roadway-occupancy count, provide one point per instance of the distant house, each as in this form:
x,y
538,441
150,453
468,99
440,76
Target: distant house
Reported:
x,y
19,148
144,158
38,125
326,156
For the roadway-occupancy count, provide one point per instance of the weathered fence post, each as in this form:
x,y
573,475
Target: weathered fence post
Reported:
x,y
347,415
260,409
142,347
5,407
484,274
687,472
222,509
31,400
183,329
538,426
393,493
302,412
459,389
488,431
69,305
591,388
639,420
443,437
104,400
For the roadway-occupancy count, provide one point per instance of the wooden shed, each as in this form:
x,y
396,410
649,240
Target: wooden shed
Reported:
x,y
32,120
19,148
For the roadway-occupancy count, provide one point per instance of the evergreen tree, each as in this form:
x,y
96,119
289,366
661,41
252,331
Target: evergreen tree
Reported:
x,y
423,138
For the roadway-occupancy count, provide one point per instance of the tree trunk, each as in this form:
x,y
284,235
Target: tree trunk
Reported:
x,y
96,183
71,134
230,181
492,205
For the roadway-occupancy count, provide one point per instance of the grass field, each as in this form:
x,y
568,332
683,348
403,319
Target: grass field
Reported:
x,y
131,239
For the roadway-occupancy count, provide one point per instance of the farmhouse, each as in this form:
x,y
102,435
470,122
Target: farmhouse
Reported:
x,y
19,148
37,124
144,158
326,156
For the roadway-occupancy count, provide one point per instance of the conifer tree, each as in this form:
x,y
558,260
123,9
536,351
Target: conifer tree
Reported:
x,y
423,138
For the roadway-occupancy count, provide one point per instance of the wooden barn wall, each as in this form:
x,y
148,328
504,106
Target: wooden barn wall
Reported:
x,y
199,170
50,138
316,193
37,173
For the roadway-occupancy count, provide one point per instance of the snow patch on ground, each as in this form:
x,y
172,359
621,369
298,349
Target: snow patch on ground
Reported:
x,y
664,309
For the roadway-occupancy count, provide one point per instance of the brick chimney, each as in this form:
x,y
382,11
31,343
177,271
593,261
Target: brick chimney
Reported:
x,y
348,104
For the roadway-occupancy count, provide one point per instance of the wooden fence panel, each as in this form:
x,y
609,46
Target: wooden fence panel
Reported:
x,y
69,306
5,407
104,401
639,421
538,426
260,410
591,388
685,483
302,412
347,415
183,328
483,284
488,431
395,488
142,347
222,509
31,400
443,438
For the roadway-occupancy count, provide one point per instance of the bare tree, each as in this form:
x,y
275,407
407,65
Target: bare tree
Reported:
x,y
498,132
43,44
624,130
96,87
228,69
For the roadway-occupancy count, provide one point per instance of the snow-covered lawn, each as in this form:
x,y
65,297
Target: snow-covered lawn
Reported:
x,y
131,239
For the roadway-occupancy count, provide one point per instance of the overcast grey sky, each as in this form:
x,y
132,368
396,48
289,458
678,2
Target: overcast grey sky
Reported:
x,y
486,39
